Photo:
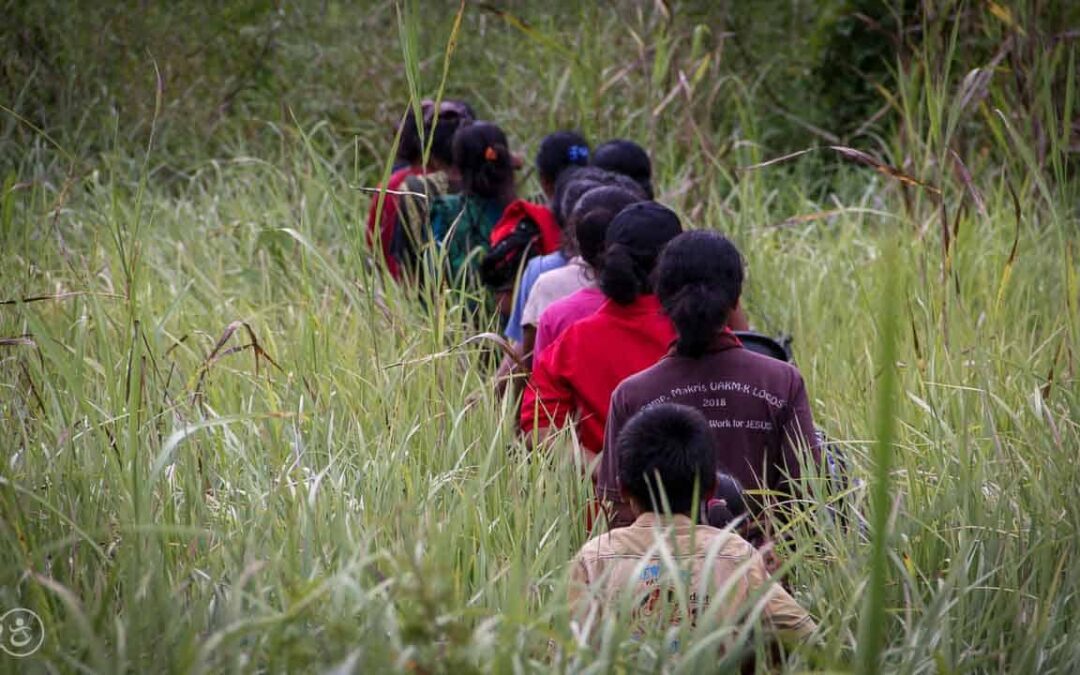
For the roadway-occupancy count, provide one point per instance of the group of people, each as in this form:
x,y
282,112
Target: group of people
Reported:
x,y
627,325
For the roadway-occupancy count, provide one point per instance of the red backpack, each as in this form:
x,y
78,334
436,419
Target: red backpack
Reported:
x,y
523,231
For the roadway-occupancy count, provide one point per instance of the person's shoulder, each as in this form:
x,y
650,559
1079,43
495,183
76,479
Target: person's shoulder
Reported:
x,y
571,340
642,383
540,264
598,547
438,180
400,176
446,206
449,201
588,325
531,273
412,178
543,280
552,277
723,543
765,365
559,306
550,261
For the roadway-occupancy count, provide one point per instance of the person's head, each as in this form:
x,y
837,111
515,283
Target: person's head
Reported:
x,y
632,244
699,281
452,114
455,107
558,152
409,150
593,214
729,489
615,194
482,156
576,182
626,158
666,450
727,503
442,130
570,185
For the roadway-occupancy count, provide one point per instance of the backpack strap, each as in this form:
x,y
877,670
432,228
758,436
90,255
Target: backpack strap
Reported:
x,y
502,264
416,208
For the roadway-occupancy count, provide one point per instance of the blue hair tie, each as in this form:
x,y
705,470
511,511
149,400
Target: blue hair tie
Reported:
x,y
578,153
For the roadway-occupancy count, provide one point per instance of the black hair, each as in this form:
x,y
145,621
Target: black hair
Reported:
x,y
616,195
626,158
632,244
442,142
593,214
730,490
560,151
733,505
452,114
570,185
409,149
668,448
482,155
458,108
574,182
699,281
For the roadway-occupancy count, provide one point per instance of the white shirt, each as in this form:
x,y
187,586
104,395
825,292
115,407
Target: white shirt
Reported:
x,y
555,285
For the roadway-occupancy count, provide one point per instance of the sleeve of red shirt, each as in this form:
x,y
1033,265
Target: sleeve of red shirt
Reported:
x,y
798,431
548,399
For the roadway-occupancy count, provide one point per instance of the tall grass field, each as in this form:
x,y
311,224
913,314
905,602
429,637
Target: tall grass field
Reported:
x,y
231,444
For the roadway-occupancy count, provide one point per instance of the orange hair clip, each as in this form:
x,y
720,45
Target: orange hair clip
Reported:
x,y
490,154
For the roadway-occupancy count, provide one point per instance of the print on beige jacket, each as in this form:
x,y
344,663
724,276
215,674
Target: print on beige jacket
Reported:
x,y
714,566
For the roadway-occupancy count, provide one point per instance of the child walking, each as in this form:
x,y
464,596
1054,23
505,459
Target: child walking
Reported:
x,y
667,461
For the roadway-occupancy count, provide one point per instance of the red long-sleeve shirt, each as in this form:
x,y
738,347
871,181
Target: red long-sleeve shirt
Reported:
x,y
578,372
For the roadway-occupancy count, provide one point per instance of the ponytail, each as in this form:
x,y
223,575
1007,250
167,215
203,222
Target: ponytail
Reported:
x,y
699,281
624,276
488,179
481,154
697,311
632,245
560,151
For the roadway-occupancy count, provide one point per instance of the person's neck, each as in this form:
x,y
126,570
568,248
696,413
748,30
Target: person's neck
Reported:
x,y
641,302
723,339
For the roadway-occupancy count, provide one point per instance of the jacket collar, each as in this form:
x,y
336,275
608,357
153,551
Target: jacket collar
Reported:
x,y
652,519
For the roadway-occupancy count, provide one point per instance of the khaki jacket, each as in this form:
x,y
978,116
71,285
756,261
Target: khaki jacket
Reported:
x,y
714,565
